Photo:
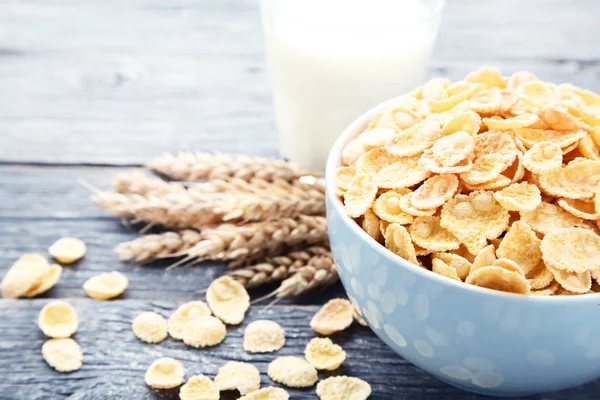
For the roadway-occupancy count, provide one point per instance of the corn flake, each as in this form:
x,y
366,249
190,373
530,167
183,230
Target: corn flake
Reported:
x,y
540,277
519,78
106,286
360,195
519,197
414,140
343,388
440,267
487,102
68,250
334,316
466,121
506,124
58,319
64,354
228,300
387,208
47,282
199,387
434,192
323,354
370,224
522,246
455,261
402,174
397,240
427,233
474,218
508,265
204,331
531,136
292,372
263,336
364,142
485,258
588,148
547,217
184,314
543,158
374,161
490,77
164,373
343,178
572,281
498,278
558,118
581,208
575,181
535,93
240,376
571,249
150,327
269,393
24,275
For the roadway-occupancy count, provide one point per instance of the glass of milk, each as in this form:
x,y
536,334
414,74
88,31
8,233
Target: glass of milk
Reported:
x,y
332,60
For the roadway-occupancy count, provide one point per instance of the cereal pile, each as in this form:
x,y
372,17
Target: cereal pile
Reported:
x,y
492,181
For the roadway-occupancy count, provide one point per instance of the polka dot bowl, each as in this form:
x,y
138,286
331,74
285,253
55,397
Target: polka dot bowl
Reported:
x,y
476,339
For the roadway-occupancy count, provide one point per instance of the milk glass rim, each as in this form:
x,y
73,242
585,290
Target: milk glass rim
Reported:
x,y
267,6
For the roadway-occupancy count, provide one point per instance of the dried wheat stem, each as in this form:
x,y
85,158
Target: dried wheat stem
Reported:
x,y
278,268
232,242
181,210
192,166
150,247
144,185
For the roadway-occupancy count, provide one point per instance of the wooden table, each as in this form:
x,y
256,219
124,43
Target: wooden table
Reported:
x,y
90,88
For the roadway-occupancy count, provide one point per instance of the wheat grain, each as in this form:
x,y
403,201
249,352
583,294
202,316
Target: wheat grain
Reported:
x,y
278,268
192,166
228,242
144,185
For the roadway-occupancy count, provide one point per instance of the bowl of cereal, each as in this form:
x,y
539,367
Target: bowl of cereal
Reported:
x,y
463,218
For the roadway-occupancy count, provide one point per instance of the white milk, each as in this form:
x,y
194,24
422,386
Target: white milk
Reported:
x,y
332,60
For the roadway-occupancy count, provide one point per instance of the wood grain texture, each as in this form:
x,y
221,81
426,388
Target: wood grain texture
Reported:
x,y
111,82
115,361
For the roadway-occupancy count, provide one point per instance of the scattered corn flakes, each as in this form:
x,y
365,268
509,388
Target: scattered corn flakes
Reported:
x,y
164,373
228,300
199,387
68,250
64,354
263,336
292,372
106,286
343,388
204,331
322,353
150,327
240,376
334,316
58,319
184,314
269,393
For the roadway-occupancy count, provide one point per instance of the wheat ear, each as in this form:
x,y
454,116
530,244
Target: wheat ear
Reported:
x,y
151,247
231,242
278,268
191,166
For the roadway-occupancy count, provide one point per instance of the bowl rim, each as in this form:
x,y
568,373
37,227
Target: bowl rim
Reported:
x,y
334,161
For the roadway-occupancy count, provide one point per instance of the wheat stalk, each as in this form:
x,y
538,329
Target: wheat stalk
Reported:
x,y
278,268
181,210
144,185
229,242
191,166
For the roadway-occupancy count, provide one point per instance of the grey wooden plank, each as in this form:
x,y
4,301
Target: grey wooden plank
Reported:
x,y
130,80
115,361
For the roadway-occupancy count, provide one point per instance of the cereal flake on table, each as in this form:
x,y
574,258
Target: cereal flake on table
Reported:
x,y
492,181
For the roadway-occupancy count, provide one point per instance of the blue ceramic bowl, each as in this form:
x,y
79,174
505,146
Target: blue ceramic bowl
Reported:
x,y
476,339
